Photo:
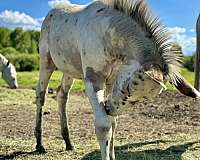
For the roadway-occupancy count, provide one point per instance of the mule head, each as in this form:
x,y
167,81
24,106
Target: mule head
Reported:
x,y
147,82
9,75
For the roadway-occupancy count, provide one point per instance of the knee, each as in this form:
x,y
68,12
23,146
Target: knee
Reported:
x,y
103,127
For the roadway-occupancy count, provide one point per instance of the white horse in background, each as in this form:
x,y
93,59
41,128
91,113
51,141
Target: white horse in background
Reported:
x,y
8,72
118,48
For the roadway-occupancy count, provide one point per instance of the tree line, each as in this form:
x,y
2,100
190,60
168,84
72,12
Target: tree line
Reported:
x,y
18,40
20,47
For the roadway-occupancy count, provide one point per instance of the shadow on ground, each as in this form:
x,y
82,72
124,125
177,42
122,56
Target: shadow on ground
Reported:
x,y
124,153
14,155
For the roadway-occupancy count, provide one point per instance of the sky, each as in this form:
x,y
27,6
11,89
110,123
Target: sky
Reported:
x,y
178,15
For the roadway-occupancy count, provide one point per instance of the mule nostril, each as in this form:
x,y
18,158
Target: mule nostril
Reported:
x,y
108,110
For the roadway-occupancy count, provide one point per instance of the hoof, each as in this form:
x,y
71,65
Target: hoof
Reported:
x,y
40,149
70,148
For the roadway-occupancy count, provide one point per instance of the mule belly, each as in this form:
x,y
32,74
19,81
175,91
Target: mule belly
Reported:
x,y
68,62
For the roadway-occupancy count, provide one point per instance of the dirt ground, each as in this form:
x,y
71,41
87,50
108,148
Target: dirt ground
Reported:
x,y
165,128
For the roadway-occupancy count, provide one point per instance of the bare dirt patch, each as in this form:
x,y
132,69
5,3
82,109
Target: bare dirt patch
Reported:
x,y
167,127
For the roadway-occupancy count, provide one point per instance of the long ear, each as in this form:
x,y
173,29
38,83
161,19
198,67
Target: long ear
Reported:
x,y
185,87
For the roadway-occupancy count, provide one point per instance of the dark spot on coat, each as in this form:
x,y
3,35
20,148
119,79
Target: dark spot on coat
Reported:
x,y
140,76
122,92
106,143
135,83
100,10
123,103
64,61
125,99
51,15
128,89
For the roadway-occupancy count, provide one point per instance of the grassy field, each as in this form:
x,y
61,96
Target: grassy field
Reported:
x,y
29,80
166,128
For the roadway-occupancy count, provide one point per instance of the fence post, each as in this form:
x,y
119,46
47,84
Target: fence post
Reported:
x,y
197,64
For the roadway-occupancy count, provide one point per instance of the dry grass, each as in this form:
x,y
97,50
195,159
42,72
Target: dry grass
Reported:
x,y
167,128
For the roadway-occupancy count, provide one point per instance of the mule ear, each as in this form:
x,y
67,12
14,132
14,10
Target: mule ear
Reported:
x,y
185,87
8,63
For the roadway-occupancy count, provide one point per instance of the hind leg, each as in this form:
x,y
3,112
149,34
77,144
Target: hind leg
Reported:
x,y
62,98
46,69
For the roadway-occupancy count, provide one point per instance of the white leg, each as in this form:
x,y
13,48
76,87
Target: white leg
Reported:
x,y
112,149
103,122
62,98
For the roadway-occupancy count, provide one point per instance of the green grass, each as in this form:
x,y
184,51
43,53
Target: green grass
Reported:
x,y
30,79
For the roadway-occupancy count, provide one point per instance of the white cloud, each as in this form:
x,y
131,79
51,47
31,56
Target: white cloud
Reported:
x,y
180,35
13,19
53,3
177,30
192,30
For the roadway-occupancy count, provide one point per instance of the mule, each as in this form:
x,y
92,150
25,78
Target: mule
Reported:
x,y
9,73
118,48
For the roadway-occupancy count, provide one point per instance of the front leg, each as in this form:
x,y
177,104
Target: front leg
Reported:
x,y
103,124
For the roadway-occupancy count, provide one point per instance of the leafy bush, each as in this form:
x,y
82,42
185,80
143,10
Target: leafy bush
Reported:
x,y
189,62
24,62
8,51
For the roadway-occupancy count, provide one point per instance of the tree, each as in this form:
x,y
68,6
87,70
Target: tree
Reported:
x,y
15,37
24,44
5,37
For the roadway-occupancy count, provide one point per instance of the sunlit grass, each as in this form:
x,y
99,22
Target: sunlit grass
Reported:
x,y
30,79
